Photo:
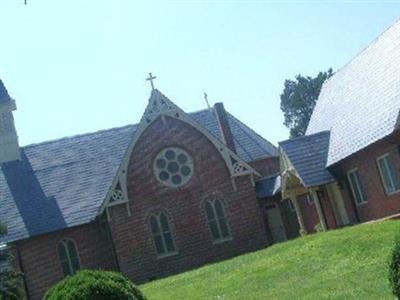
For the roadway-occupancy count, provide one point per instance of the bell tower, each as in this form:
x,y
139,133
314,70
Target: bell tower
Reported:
x,y
9,147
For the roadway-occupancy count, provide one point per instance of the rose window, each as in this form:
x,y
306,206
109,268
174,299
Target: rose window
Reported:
x,y
173,167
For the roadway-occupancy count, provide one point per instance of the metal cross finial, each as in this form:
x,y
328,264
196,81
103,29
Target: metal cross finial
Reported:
x,y
151,78
206,98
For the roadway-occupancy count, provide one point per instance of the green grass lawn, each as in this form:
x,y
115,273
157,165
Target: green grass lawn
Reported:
x,y
349,263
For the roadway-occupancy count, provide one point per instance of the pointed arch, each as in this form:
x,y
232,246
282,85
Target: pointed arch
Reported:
x,y
162,234
68,256
217,220
160,105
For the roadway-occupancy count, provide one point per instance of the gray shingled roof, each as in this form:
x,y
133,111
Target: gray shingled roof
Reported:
x,y
268,186
63,183
360,104
250,146
308,155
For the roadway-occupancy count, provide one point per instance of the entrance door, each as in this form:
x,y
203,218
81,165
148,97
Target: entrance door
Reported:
x,y
275,223
338,204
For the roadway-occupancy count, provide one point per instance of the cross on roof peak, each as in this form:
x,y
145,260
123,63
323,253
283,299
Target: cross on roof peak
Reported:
x,y
206,98
151,78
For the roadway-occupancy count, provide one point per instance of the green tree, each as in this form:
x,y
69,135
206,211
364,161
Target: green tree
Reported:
x,y
298,100
10,280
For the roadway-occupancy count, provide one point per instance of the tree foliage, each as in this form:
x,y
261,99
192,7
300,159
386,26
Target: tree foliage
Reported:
x,y
10,280
298,100
95,285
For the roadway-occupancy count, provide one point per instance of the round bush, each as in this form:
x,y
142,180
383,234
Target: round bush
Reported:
x,y
394,268
95,285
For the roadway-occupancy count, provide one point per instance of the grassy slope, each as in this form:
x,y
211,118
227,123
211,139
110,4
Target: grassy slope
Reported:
x,y
349,263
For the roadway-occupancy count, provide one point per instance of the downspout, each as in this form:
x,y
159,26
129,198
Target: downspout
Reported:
x,y
114,251
21,266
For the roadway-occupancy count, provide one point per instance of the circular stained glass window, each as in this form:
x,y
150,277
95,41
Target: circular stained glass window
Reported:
x,y
173,167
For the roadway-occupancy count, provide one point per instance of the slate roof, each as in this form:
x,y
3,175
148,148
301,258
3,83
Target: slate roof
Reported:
x,y
308,155
360,104
4,97
268,186
248,144
63,183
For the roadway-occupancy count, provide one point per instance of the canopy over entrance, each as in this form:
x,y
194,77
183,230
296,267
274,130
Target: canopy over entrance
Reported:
x,y
303,170
303,163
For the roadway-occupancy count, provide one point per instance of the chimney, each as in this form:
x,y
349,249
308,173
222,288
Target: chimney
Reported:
x,y
9,147
224,127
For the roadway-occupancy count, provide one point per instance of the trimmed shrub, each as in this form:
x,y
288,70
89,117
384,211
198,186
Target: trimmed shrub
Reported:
x,y
394,268
95,285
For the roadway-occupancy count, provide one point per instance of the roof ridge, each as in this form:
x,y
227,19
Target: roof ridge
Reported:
x,y
192,112
241,123
369,45
200,110
93,132
304,136
77,136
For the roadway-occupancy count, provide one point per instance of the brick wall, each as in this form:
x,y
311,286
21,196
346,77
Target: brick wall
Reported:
x,y
40,261
267,166
379,204
184,206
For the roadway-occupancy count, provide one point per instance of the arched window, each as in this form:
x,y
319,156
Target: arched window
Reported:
x,y
68,257
162,234
217,220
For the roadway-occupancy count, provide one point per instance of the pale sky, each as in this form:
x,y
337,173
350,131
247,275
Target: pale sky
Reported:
x,y
78,66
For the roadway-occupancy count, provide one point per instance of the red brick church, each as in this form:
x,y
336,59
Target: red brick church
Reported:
x,y
179,190
171,193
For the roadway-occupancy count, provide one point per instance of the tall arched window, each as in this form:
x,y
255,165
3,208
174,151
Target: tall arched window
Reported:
x,y
162,234
217,220
68,257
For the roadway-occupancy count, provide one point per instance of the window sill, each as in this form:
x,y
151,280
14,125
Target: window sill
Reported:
x,y
361,203
167,255
221,241
392,193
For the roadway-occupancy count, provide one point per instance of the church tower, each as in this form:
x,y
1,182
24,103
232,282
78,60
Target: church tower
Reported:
x,y
9,147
